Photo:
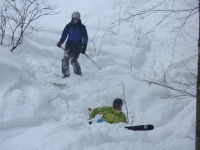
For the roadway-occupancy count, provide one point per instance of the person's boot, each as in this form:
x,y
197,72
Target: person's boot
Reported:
x,y
77,68
65,75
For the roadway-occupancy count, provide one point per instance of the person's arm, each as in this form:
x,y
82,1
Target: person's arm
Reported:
x,y
124,118
64,33
85,40
84,35
96,111
93,113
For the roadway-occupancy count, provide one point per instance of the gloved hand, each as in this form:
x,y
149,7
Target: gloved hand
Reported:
x,y
83,49
109,117
59,43
90,121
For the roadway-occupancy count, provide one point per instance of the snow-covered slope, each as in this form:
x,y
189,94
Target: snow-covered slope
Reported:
x,y
36,115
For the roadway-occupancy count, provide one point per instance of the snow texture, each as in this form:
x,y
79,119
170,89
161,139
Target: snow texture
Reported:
x,y
36,115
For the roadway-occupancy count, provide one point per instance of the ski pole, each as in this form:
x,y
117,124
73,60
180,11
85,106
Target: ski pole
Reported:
x,y
90,121
62,47
89,58
132,119
93,62
90,109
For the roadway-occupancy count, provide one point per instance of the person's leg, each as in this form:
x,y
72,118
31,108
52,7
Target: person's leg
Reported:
x,y
65,62
76,66
74,61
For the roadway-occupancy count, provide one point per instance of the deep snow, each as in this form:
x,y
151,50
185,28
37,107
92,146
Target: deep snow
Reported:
x,y
36,115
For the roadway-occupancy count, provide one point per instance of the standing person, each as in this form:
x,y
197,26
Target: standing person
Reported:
x,y
75,44
111,114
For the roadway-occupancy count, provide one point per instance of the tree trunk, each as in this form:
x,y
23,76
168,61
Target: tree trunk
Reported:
x,y
198,95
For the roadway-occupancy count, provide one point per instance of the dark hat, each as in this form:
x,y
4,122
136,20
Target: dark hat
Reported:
x,y
118,101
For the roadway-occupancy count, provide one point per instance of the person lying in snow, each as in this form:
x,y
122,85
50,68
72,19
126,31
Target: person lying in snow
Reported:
x,y
112,114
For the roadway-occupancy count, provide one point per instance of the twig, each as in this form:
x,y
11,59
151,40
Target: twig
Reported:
x,y
88,96
94,36
101,42
187,136
119,20
182,91
54,98
66,101
123,95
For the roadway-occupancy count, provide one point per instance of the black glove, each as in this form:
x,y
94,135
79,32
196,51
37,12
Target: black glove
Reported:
x,y
83,49
59,43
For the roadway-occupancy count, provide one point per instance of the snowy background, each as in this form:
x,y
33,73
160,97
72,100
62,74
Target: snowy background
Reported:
x,y
36,115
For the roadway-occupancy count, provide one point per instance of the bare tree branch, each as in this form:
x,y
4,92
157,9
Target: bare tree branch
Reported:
x,y
21,16
183,92
101,42
3,22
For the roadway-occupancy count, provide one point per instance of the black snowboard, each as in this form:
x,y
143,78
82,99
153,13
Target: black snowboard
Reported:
x,y
137,127
140,127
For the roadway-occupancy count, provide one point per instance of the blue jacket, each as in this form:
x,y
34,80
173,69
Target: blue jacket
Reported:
x,y
75,32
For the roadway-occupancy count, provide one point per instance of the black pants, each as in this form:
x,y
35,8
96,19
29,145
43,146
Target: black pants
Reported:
x,y
72,52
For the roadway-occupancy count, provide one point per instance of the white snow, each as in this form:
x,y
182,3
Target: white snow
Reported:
x,y
36,115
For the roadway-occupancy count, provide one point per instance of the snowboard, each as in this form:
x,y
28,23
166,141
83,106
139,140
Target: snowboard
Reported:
x,y
140,127
137,127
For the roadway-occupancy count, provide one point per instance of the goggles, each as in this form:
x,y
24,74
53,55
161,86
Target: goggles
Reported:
x,y
75,20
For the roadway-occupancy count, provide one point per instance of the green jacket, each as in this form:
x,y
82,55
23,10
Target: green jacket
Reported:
x,y
110,115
